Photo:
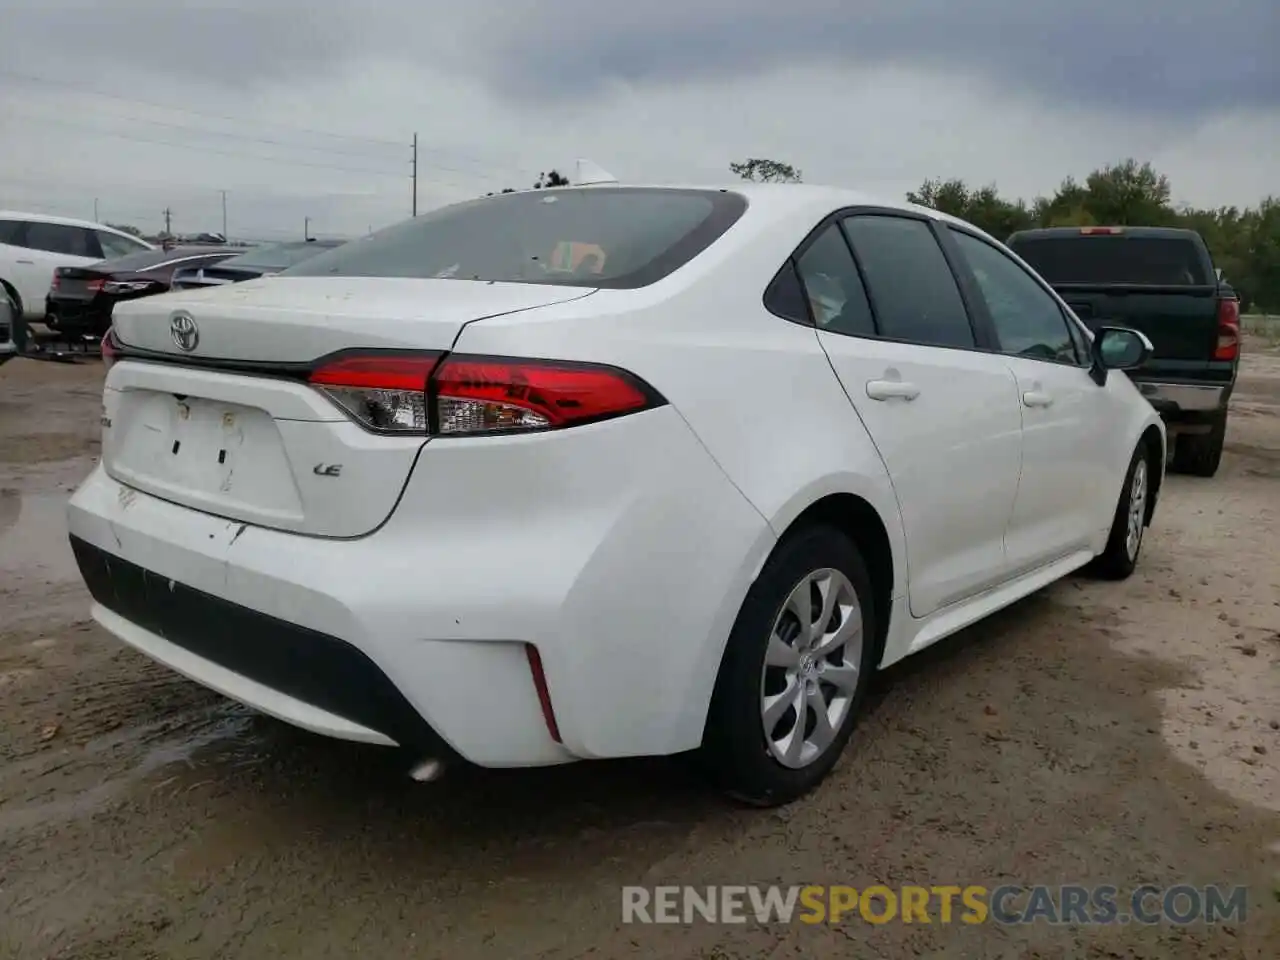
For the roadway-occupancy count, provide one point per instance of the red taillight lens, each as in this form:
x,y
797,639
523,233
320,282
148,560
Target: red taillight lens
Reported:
x,y
53,284
108,346
476,395
1101,231
385,392
461,395
1228,347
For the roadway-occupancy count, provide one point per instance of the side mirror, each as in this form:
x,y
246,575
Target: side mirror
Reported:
x,y
1118,348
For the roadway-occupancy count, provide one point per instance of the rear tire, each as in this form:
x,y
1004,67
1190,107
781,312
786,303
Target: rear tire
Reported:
x,y
1124,545
787,668
1200,454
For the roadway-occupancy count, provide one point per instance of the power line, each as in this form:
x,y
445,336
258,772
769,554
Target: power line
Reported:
x,y
84,88
218,152
73,125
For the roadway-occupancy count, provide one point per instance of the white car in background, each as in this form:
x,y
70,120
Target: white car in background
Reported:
x,y
8,316
32,245
583,473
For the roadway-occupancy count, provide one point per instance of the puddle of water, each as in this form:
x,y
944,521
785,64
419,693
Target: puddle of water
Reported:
x,y
33,538
228,724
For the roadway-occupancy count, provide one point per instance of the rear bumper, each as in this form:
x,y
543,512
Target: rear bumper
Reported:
x,y
77,318
303,676
622,556
1174,401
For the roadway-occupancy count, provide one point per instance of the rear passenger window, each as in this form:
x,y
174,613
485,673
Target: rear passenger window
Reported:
x,y
785,296
61,238
831,282
910,282
10,232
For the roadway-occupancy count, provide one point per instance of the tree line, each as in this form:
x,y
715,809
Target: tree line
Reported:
x,y
1244,242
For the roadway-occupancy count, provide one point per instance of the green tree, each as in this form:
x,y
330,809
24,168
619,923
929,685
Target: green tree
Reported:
x,y
983,207
760,170
1245,244
1129,194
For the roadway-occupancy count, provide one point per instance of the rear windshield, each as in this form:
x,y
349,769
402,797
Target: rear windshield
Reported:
x,y
619,237
1114,259
281,255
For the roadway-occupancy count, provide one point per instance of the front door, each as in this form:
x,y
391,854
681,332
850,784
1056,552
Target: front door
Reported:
x,y
1066,459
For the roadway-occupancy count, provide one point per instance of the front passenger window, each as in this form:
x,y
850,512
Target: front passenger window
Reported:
x,y
1028,321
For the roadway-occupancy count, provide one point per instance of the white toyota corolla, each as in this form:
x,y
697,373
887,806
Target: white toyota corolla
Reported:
x,y
607,471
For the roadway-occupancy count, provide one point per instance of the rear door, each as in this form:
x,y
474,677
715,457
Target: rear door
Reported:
x,y
1068,459
942,411
46,246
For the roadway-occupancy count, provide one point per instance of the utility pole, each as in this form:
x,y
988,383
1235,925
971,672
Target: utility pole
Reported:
x,y
224,216
95,210
415,174
306,228
168,221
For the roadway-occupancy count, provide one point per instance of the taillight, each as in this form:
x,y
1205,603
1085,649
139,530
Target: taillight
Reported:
x,y
53,284
500,394
110,348
461,395
122,286
385,392
1228,347
1101,231
93,286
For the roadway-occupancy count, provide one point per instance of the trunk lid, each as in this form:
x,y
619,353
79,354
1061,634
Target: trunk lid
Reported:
x,y
72,283
270,450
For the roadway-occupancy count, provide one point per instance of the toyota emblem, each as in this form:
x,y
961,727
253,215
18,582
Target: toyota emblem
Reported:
x,y
183,329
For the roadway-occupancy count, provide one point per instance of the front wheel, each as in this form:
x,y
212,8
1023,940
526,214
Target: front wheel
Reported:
x,y
795,671
1120,557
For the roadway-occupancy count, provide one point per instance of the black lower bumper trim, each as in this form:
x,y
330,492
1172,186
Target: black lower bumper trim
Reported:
x,y
305,664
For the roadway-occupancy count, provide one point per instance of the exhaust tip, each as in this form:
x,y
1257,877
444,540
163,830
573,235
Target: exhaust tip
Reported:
x,y
427,770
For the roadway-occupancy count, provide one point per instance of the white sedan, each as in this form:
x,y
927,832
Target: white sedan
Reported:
x,y
607,471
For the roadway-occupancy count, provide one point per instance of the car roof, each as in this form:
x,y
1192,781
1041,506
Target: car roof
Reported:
x,y
799,197
50,218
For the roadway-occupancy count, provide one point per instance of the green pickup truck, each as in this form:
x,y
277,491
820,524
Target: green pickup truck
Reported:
x,y
1162,282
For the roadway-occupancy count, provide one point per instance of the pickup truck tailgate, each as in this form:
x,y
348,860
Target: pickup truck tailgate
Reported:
x,y
1182,322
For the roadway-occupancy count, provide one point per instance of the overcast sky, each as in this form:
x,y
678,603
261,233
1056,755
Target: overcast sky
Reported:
x,y
307,109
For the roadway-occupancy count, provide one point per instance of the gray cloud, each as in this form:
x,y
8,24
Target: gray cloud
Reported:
x,y
1163,56
1168,56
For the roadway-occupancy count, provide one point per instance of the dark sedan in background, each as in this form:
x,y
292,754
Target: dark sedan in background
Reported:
x,y
258,262
80,299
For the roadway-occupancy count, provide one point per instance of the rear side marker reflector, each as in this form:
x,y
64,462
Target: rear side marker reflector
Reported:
x,y
461,395
544,694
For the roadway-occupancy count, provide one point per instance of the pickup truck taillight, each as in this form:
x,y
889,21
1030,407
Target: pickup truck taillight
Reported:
x,y
1228,330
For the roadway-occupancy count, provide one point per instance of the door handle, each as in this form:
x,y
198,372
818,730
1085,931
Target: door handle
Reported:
x,y
892,390
29,263
1037,398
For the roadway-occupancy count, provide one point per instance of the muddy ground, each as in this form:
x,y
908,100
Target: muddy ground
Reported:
x,y
1095,733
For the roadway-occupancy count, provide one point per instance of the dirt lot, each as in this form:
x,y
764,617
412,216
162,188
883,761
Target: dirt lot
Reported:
x,y
1095,733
